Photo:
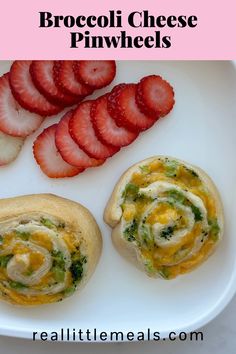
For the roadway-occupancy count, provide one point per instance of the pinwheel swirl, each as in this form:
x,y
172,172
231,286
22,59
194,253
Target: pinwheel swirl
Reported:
x,y
43,257
167,216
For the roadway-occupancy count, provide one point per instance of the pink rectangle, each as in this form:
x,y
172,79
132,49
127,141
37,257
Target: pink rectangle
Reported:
x,y
212,38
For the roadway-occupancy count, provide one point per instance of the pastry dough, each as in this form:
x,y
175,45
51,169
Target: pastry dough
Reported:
x,y
49,248
166,215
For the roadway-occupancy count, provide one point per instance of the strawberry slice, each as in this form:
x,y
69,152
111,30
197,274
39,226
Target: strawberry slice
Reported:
x,y
15,120
105,127
155,96
111,101
81,130
95,73
10,147
26,93
65,80
48,157
42,76
125,112
68,148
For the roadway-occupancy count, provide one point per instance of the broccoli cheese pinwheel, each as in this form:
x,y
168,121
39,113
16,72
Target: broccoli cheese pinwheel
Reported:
x,y
49,247
166,216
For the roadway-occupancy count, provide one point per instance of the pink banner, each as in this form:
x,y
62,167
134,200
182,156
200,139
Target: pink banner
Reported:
x,y
122,29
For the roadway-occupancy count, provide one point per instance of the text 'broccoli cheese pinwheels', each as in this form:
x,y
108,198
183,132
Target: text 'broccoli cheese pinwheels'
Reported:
x,y
49,248
166,215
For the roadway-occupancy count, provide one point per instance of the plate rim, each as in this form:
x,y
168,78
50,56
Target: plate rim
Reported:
x,y
221,304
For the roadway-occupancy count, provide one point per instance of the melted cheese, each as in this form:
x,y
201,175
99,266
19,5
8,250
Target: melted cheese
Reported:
x,y
71,241
43,240
36,260
129,211
25,248
165,215
20,299
162,214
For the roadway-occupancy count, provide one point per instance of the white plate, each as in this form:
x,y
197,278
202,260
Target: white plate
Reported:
x,y
202,130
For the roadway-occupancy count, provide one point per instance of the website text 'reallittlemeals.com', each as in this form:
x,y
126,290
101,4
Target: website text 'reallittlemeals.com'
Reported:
x,y
95,335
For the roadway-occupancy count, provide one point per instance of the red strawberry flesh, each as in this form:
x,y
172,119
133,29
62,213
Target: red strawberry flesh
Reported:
x,y
69,150
95,73
125,111
65,80
105,127
82,131
15,120
25,92
155,96
48,157
42,76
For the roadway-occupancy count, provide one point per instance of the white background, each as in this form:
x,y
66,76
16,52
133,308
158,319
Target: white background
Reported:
x,y
219,338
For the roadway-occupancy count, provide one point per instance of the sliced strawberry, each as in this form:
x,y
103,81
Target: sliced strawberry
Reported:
x,y
105,127
65,80
48,157
26,93
124,110
15,120
95,73
81,130
10,147
68,148
155,96
111,101
42,76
